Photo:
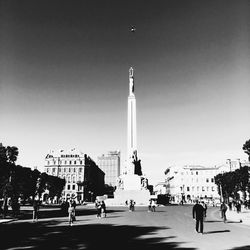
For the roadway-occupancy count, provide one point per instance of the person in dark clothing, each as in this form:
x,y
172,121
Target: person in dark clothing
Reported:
x,y
98,206
223,209
198,215
103,209
205,208
35,210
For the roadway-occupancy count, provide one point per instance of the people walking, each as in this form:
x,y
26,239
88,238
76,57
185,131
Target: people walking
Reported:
x,y
198,215
103,209
205,208
131,206
71,213
98,207
35,210
74,209
149,205
153,205
223,209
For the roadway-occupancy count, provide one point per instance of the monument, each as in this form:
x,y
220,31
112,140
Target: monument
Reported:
x,y
131,184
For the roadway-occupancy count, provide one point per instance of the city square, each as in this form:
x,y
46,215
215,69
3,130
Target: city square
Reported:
x,y
169,227
124,125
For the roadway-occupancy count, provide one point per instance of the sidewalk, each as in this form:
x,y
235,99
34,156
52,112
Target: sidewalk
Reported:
x,y
6,220
243,216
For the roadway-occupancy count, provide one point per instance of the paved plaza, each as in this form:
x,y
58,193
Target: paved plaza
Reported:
x,y
170,227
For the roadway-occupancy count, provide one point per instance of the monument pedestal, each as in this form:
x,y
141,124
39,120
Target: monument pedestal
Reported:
x,y
130,189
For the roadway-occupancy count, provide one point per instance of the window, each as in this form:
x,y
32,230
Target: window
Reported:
x,y
65,162
53,170
188,189
212,179
212,189
48,162
75,162
207,180
196,172
80,162
69,162
73,187
203,189
68,187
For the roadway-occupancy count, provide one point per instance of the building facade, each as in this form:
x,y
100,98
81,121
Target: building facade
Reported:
x,y
110,164
84,179
188,183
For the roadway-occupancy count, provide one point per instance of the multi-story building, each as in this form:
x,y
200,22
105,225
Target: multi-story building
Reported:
x,y
110,165
193,181
79,171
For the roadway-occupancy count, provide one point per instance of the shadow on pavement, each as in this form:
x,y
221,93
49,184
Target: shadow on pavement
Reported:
x,y
234,222
51,235
212,221
242,248
218,231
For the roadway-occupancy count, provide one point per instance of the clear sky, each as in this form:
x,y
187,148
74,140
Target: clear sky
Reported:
x,y
64,79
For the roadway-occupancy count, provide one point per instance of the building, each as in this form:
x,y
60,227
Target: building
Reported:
x,y
84,179
193,182
110,164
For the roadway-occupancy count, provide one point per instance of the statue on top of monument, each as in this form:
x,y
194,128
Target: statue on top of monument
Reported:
x,y
131,82
137,164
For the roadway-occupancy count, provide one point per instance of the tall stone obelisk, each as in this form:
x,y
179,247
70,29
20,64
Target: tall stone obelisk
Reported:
x,y
131,184
131,127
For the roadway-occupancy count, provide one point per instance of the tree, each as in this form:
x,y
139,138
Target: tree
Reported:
x,y
246,148
3,156
12,153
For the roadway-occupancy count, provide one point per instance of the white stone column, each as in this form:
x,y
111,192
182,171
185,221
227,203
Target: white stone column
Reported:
x,y
131,126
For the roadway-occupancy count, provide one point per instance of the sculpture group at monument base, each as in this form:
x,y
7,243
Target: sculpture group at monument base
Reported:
x,y
130,187
141,197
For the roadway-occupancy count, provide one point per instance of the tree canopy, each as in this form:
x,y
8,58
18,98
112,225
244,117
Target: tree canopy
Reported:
x,y
232,182
246,148
22,182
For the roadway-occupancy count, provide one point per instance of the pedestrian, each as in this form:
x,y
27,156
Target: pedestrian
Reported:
x,y
103,209
35,210
98,208
153,205
74,209
71,213
205,208
238,206
223,209
198,215
131,206
149,205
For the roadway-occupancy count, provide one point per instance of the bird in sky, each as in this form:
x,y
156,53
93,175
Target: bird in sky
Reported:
x,y
132,29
